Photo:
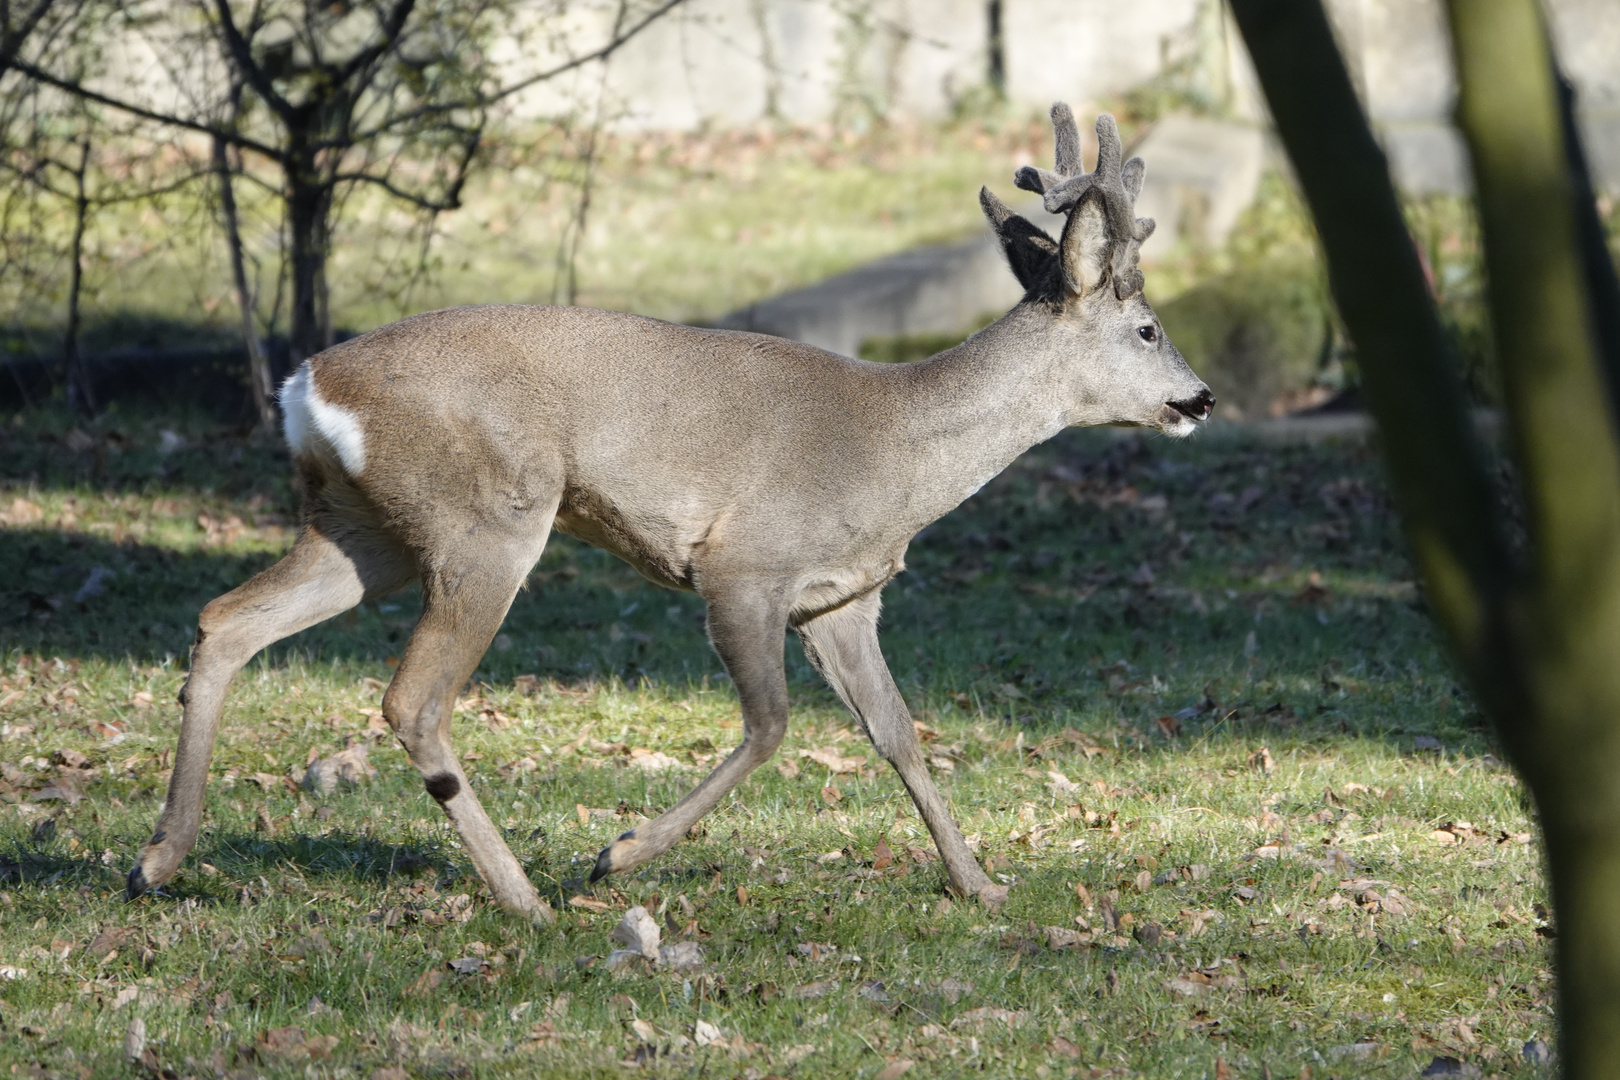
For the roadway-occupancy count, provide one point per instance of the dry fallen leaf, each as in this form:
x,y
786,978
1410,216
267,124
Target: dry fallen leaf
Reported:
x,y
348,768
652,760
135,1039
979,1017
293,1044
895,1069
833,760
1061,937
1064,1048
108,940
1194,983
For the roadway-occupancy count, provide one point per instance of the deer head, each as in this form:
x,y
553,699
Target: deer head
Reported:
x,y
1085,290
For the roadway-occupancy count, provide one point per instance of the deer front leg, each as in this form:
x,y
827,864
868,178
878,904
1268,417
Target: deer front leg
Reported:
x,y
463,608
315,581
747,633
843,646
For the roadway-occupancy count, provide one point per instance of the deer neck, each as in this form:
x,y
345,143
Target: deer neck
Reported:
x,y
970,411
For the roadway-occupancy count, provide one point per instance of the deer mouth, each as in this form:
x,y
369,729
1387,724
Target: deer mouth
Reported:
x,y
1183,417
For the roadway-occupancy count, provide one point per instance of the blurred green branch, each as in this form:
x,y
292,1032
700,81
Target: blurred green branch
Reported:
x,y
1537,635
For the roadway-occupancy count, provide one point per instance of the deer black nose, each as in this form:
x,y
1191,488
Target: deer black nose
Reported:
x,y
1197,408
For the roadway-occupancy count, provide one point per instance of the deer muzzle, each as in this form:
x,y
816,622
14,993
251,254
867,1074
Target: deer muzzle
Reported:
x,y
1195,408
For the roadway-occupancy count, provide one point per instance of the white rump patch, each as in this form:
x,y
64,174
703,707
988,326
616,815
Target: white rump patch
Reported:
x,y
314,426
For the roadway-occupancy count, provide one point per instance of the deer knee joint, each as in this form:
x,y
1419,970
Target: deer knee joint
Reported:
x,y
763,741
410,725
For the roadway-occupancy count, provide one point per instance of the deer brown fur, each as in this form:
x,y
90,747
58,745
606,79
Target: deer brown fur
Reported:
x,y
779,482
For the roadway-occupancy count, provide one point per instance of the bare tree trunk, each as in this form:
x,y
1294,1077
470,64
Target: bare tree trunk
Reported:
x,y
80,391
264,400
309,203
1567,615
1537,635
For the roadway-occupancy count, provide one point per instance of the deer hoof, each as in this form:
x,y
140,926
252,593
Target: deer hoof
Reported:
x,y
136,885
992,896
619,855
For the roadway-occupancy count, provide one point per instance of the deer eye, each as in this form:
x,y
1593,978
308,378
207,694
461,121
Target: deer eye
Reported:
x,y
1148,334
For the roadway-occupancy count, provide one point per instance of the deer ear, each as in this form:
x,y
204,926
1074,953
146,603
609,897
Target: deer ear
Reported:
x,y
1030,251
1086,244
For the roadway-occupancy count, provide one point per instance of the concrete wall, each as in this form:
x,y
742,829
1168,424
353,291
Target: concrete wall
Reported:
x,y
733,62
727,63
1400,56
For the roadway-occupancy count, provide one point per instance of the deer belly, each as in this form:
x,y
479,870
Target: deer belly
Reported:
x,y
610,532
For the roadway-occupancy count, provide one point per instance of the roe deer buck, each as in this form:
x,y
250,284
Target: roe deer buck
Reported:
x,y
779,482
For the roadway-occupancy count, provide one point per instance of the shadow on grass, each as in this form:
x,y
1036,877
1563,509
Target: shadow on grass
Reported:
x,y
236,855
239,857
1142,590
78,595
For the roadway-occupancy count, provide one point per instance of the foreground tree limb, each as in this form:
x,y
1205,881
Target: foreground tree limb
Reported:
x,y
1567,621
1435,463
1538,637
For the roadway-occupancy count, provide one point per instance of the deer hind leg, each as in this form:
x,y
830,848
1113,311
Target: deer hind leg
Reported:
x,y
843,646
465,597
747,633
317,579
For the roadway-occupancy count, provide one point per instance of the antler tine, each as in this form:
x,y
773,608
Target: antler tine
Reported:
x,y
1066,157
1109,150
1118,185
1066,161
1038,180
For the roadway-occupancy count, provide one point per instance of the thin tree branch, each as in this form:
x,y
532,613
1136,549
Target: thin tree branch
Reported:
x,y
79,90
451,201
242,55
502,93
391,29
12,40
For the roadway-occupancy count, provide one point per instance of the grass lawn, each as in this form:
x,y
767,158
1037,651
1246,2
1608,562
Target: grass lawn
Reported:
x,y
1183,696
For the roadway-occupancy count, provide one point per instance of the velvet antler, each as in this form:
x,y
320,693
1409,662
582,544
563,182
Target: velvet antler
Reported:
x,y
1116,185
